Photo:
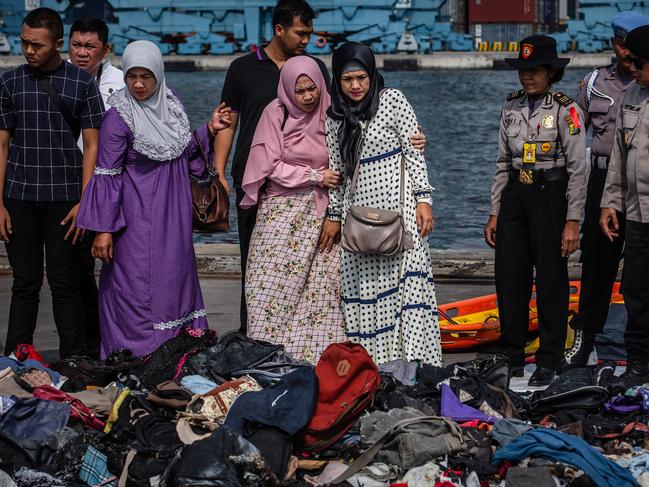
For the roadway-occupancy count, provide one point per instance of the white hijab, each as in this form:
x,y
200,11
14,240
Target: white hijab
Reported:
x,y
159,124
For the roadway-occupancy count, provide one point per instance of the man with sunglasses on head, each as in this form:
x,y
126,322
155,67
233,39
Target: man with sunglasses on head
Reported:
x,y
600,97
627,190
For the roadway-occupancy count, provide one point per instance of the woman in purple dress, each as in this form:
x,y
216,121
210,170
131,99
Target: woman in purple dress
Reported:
x,y
139,202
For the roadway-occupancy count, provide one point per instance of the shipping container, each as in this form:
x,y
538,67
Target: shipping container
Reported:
x,y
502,11
455,12
550,9
502,33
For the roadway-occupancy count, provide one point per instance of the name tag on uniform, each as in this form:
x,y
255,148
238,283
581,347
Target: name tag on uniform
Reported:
x,y
529,153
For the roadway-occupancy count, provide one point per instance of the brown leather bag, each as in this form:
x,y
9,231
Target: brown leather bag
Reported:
x,y
210,201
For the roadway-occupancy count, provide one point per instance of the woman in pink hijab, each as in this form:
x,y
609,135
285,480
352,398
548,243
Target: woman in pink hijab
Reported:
x,y
292,289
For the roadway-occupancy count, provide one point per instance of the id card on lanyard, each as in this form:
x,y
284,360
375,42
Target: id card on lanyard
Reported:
x,y
529,153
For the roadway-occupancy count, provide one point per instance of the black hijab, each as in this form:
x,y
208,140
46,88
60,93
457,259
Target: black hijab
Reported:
x,y
349,112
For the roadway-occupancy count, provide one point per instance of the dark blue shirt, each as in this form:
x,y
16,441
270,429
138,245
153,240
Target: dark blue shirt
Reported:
x,y
44,161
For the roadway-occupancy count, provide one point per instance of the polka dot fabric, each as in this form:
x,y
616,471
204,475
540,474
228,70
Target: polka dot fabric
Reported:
x,y
389,302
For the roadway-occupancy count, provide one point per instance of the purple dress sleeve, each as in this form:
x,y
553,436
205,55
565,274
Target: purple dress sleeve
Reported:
x,y
101,203
200,148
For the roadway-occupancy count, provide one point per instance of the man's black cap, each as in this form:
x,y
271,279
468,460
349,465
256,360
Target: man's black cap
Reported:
x,y
637,41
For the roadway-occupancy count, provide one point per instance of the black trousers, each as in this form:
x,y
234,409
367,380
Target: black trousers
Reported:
x,y
246,219
635,286
600,259
37,225
89,295
528,237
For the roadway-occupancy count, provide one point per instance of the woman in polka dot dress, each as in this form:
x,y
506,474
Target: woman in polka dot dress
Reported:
x,y
389,302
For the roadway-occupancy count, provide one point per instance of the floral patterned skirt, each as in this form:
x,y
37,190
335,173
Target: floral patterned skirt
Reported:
x,y
292,290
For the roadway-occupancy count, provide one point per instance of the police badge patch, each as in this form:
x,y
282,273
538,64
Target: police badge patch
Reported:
x,y
547,122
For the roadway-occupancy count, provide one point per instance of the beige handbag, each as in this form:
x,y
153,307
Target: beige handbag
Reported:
x,y
374,230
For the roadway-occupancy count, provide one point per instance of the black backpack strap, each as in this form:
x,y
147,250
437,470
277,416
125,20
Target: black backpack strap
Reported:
x,y
58,101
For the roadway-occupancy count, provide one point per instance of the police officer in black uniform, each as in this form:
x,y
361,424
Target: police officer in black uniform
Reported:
x,y
537,196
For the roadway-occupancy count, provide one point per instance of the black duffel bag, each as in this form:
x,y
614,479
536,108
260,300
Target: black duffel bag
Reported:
x,y
583,388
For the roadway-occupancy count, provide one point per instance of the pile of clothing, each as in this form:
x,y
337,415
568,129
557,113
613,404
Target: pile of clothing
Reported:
x,y
231,411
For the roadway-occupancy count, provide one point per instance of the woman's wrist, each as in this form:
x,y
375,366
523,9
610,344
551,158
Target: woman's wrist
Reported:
x,y
317,177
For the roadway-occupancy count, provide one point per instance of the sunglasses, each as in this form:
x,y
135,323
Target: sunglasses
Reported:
x,y
637,62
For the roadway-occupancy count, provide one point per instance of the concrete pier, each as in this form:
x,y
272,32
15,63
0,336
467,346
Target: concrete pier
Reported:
x,y
438,60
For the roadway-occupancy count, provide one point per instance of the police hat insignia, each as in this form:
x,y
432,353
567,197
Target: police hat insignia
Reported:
x,y
526,51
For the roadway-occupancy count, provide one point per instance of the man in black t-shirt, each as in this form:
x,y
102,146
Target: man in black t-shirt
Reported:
x,y
42,173
250,84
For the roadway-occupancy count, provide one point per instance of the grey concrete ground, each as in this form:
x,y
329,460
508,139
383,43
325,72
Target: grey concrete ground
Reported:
x,y
222,302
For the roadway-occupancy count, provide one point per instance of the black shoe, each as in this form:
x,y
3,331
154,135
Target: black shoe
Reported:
x,y
516,371
541,377
580,351
637,372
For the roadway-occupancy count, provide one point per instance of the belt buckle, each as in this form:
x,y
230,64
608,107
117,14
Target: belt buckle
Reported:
x,y
525,176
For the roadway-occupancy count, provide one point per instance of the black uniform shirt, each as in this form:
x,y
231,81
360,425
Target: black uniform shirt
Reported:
x,y
250,84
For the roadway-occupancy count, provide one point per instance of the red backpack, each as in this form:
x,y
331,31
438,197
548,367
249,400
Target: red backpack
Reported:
x,y
348,379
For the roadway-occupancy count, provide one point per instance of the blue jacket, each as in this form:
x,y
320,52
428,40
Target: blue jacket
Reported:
x,y
568,449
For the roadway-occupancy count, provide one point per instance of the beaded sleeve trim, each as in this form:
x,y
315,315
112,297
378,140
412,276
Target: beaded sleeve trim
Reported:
x,y
157,152
104,171
168,325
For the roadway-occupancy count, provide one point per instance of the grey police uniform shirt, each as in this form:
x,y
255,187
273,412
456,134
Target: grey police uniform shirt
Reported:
x,y
548,128
627,180
600,95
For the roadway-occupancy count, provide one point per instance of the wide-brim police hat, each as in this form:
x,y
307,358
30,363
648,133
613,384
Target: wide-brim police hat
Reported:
x,y
537,50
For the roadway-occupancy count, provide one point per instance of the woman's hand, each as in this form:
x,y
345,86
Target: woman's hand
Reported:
x,y
331,179
570,238
418,141
425,219
329,235
102,247
490,231
220,120
609,223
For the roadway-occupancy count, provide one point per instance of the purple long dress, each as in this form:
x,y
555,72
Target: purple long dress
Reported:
x,y
150,289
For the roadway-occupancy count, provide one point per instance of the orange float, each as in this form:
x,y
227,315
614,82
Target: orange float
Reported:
x,y
473,322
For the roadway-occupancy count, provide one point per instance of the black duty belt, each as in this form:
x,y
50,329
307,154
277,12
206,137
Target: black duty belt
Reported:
x,y
538,176
599,162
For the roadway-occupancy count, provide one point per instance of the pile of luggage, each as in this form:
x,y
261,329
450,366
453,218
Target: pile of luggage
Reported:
x,y
202,411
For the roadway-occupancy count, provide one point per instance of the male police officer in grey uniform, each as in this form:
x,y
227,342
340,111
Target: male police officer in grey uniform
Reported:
x,y
600,97
627,190
537,197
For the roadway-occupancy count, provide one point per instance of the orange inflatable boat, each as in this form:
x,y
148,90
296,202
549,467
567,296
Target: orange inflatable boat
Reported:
x,y
473,322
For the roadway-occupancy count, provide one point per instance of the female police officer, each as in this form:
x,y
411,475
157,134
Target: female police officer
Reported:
x,y
537,196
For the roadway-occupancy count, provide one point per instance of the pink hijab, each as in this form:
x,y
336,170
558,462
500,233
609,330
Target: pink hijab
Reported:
x,y
301,144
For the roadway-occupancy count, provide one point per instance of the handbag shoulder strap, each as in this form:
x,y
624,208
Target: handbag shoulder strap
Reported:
x,y
352,186
63,108
209,167
398,427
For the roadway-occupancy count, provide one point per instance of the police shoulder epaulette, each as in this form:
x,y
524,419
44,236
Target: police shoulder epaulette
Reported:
x,y
515,94
564,100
